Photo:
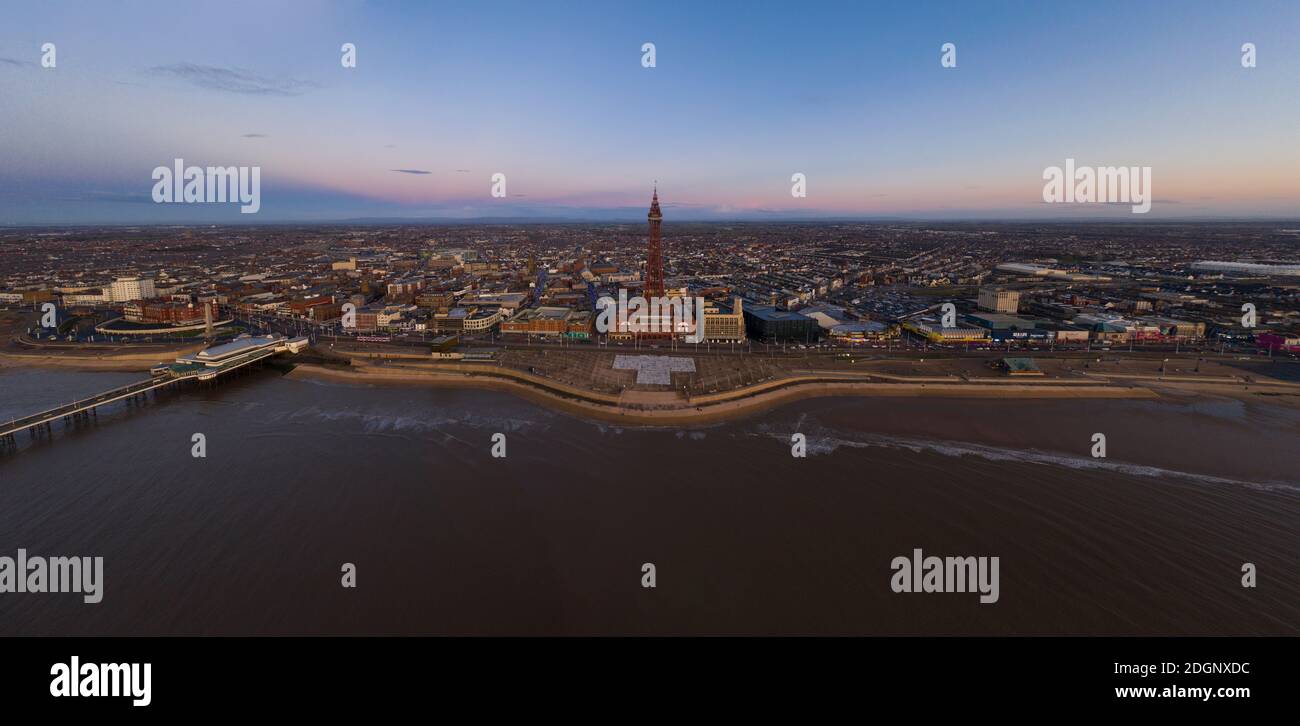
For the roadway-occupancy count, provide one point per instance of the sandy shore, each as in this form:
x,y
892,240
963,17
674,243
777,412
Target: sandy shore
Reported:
x,y
82,359
669,408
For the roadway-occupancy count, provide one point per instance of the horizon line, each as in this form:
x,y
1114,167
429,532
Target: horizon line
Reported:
x,y
454,221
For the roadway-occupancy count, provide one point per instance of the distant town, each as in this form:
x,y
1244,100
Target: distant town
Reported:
x,y
844,285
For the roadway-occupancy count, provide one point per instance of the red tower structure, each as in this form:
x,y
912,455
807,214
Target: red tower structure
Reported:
x,y
654,263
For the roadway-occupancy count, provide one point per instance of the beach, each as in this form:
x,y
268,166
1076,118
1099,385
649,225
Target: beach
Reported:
x,y
653,408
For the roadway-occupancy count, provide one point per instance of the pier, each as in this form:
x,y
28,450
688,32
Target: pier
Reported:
x,y
206,365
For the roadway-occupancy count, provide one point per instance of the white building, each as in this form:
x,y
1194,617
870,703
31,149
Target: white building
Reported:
x,y
126,289
999,301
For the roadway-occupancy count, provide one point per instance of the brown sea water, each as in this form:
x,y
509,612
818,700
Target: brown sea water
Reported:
x,y
302,476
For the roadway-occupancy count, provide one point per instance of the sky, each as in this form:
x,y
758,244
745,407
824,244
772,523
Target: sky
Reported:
x,y
554,96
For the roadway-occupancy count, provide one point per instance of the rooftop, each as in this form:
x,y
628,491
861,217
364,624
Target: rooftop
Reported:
x,y
238,345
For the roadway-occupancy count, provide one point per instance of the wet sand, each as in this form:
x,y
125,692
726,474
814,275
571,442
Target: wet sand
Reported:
x,y
649,408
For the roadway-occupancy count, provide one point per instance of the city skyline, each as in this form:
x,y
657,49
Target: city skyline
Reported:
x,y
557,100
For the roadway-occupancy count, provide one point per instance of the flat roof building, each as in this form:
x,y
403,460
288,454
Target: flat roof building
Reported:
x,y
767,323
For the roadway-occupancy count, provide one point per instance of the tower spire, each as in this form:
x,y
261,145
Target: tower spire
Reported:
x,y
654,204
654,267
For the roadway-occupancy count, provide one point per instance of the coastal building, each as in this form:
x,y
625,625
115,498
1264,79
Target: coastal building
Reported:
x,y
579,325
242,349
933,331
827,316
769,324
1004,327
1278,342
1064,332
722,325
863,330
1020,367
538,321
158,312
1172,328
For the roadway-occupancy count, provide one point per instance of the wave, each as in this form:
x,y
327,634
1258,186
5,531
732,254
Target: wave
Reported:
x,y
821,442
381,423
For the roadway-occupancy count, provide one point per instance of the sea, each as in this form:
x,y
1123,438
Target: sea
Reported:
x,y
1190,524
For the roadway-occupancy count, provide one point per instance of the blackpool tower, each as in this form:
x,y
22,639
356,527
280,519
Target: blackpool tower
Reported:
x,y
654,263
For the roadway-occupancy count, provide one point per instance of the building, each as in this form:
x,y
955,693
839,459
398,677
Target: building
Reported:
x,y
768,324
580,325
1278,342
374,317
306,308
999,301
366,320
863,330
126,289
1064,332
827,316
325,312
242,349
1246,268
539,321
1171,328
407,286
466,320
1039,271
931,330
79,298
435,300
1020,367
1003,327
1117,329
510,301
158,312
724,326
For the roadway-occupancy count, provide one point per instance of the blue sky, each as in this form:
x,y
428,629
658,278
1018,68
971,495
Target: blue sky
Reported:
x,y
553,95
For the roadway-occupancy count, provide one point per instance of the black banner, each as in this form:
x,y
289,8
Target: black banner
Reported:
x,y
196,676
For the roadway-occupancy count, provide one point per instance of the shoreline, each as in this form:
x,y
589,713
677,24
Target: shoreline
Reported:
x,y
665,409
102,362
669,408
